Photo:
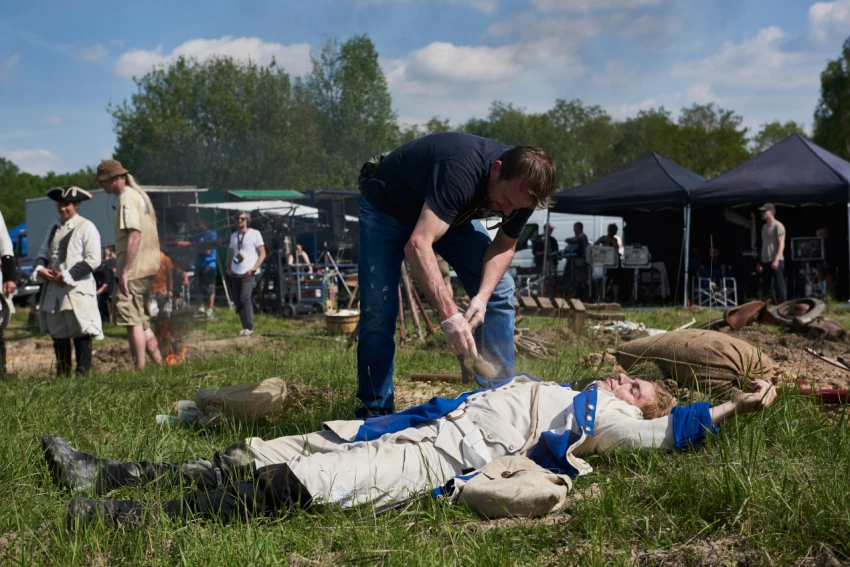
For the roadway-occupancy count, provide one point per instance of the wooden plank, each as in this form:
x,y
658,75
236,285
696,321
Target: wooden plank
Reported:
x,y
602,306
562,304
548,308
528,303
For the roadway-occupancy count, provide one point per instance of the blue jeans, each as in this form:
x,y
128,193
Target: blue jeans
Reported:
x,y
381,252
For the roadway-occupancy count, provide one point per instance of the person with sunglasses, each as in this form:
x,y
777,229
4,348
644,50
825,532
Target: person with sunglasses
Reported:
x,y
246,255
429,196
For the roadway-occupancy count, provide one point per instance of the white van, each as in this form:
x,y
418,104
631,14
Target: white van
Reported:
x,y
594,227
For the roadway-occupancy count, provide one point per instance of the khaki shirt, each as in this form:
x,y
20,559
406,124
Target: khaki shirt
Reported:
x,y
770,241
135,213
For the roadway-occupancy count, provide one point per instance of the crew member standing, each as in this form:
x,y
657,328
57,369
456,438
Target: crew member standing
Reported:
x,y
65,263
206,264
424,197
137,251
246,255
772,266
8,278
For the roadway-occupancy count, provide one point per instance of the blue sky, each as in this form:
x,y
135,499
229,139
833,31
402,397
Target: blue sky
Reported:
x,y
62,62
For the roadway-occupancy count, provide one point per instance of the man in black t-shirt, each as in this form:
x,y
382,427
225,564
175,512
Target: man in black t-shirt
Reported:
x,y
425,196
539,249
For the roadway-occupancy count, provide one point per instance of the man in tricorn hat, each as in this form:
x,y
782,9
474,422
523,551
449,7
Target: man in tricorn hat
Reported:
x,y
137,249
65,262
8,286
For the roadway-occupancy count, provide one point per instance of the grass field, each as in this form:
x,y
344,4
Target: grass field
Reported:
x,y
771,489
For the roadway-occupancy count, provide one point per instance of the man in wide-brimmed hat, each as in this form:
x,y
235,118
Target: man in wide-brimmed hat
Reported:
x,y
137,250
8,285
65,262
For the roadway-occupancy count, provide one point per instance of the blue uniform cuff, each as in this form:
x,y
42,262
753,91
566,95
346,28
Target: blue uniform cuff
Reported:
x,y
690,424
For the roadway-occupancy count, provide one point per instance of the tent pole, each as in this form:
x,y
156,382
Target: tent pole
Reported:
x,y
545,253
848,249
688,247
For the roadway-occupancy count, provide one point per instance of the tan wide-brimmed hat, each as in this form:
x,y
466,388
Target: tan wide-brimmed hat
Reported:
x,y
110,168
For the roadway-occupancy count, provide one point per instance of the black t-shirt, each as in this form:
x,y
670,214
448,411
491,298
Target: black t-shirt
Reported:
x,y
540,246
449,171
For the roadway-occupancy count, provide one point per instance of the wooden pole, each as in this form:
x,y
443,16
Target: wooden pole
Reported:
x,y
402,329
428,325
405,280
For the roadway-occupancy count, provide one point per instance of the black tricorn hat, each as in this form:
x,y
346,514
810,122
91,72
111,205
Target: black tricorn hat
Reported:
x,y
69,194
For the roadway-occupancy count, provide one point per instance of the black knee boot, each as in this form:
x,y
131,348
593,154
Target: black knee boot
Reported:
x,y
62,348
275,489
2,355
82,350
81,471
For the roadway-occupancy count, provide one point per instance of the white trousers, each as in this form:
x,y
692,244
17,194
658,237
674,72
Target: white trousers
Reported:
x,y
387,470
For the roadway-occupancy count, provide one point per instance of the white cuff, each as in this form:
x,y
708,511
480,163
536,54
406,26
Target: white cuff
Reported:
x,y
66,276
36,270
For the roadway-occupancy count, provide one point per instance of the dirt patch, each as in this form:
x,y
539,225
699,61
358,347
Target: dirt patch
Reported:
x,y
409,393
724,551
788,351
35,357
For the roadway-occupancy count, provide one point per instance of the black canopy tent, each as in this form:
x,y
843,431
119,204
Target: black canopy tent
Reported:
x,y
638,192
793,172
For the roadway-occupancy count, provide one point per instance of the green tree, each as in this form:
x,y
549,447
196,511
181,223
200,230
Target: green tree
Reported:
x,y
712,139
356,118
17,186
413,131
773,132
832,115
222,124
651,130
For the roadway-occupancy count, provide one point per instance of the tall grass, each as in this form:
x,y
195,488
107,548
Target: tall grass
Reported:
x,y
776,484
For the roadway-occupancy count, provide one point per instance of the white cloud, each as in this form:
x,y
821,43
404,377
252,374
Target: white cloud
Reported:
x,y
648,25
93,54
51,121
295,58
628,110
760,62
616,73
700,93
37,162
587,6
9,64
488,7
828,19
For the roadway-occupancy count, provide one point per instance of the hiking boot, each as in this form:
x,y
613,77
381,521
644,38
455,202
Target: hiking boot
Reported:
x,y
85,511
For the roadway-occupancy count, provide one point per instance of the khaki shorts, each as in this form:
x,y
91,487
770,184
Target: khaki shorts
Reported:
x,y
134,309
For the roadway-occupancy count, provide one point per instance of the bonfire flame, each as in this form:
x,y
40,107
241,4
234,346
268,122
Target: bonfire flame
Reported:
x,y
175,358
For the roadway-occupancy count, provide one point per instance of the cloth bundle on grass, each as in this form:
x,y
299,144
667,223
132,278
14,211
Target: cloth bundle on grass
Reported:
x,y
709,361
513,486
241,402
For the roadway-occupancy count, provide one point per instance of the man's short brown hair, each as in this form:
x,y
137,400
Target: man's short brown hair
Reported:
x,y
662,404
535,167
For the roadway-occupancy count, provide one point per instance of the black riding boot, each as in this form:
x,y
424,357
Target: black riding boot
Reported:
x,y
62,348
82,350
81,471
2,355
275,489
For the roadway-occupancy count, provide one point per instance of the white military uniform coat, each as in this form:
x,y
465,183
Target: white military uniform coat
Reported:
x,y
69,244
506,420
6,248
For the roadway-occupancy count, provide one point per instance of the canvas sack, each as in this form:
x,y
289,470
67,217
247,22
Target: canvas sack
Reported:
x,y
710,361
513,486
243,402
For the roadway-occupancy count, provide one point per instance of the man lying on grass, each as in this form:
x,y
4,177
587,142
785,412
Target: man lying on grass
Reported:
x,y
390,458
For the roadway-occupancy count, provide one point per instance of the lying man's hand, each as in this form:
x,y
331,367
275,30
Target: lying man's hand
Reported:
x,y
459,336
475,314
763,395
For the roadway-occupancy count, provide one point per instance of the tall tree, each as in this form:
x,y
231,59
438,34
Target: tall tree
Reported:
x,y
222,124
413,131
832,115
773,132
713,140
350,91
651,130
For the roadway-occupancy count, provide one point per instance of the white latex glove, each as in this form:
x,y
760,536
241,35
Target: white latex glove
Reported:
x,y
459,336
475,314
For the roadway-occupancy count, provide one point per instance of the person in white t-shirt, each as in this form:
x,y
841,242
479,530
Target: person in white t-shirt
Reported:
x,y
247,253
